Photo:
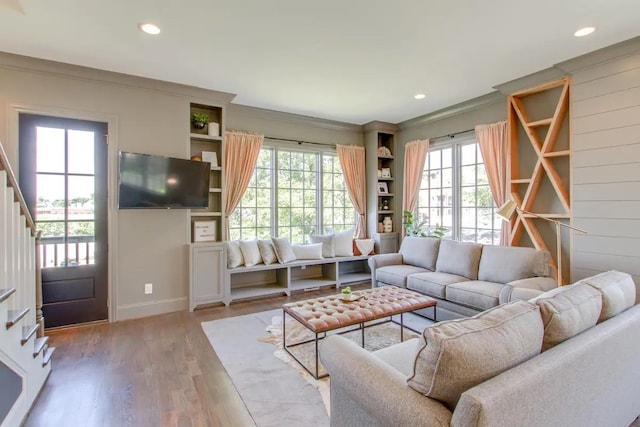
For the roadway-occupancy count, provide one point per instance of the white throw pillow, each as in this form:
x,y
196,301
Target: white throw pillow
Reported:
x,y
267,252
312,251
283,249
363,246
328,244
234,254
343,242
250,252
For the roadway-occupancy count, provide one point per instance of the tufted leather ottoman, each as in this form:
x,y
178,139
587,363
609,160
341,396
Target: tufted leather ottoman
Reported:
x,y
329,313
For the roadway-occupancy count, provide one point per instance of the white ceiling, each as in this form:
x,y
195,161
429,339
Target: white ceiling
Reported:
x,y
348,60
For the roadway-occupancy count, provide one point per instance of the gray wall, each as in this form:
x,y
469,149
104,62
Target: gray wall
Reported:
x,y
145,116
606,160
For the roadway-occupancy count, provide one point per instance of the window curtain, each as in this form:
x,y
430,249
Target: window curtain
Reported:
x,y
352,161
415,154
492,139
241,156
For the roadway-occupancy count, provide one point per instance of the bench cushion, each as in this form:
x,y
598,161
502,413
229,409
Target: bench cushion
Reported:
x,y
433,283
397,274
476,294
461,258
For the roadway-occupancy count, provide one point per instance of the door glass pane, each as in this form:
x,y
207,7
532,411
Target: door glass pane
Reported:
x,y
80,153
49,150
80,243
50,197
81,197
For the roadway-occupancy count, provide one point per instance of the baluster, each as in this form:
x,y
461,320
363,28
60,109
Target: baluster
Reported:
x,y
39,315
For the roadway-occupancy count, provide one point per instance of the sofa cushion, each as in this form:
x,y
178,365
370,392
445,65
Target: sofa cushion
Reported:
x,y
504,264
420,251
456,355
476,294
433,283
399,356
567,311
617,289
397,274
461,258
328,244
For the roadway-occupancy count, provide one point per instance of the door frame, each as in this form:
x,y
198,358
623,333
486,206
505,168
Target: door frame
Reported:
x,y
112,180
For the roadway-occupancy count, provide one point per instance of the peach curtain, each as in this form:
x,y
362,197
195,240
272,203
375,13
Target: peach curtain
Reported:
x,y
415,154
492,139
241,155
352,160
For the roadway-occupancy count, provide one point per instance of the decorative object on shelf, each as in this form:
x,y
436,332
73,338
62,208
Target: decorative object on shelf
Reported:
x,y
379,173
380,227
384,151
385,204
196,158
386,172
199,120
507,210
204,231
211,157
388,224
382,188
214,129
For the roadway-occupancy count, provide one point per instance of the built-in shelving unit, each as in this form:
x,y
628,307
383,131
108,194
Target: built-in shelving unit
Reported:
x,y
278,279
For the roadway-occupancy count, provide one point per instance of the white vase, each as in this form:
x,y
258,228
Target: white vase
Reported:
x,y
214,129
387,224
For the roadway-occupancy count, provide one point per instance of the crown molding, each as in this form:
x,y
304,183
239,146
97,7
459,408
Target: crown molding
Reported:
x,y
377,126
21,63
606,54
530,80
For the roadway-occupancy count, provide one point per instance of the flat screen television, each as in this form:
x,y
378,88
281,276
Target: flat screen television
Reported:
x,y
155,182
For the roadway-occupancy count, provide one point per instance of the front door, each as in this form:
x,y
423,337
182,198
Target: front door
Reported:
x,y
63,175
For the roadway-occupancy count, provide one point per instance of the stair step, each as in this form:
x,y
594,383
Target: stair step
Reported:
x,y
47,356
27,332
6,293
14,316
38,345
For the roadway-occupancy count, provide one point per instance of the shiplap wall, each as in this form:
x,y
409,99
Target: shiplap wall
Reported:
x,y
606,167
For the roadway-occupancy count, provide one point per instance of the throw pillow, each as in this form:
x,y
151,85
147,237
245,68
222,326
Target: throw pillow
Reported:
x,y
267,252
250,252
343,242
363,246
461,258
567,311
328,244
234,254
455,355
312,251
617,289
283,249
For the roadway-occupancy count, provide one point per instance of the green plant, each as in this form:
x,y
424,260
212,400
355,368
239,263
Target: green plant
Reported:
x,y
417,229
199,119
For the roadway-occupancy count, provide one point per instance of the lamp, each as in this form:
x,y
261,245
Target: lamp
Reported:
x,y
507,210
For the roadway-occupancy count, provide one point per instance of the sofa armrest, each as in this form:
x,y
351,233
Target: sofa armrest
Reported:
x,y
363,386
526,288
382,260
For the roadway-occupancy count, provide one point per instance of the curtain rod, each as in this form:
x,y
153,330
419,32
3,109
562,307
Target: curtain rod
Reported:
x,y
296,140
452,135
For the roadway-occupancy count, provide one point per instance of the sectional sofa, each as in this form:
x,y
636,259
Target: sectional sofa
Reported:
x,y
465,278
567,358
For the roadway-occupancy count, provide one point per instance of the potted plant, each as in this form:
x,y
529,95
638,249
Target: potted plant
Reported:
x,y
199,120
417,229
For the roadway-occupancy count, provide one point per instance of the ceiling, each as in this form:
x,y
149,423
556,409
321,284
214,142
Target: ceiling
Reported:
x,y
348,60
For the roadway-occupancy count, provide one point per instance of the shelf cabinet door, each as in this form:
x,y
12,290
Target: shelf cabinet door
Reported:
x,y
206,274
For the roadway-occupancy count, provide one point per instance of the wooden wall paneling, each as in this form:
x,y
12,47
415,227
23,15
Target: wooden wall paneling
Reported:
x,y
542,135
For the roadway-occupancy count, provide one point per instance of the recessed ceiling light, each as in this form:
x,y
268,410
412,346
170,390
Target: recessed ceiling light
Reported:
x,y
149,28
584,31
420,96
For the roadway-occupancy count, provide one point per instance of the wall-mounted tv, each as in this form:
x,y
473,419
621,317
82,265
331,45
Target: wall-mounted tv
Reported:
x,y
156,182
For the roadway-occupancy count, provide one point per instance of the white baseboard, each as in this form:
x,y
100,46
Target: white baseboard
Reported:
x,y
145,309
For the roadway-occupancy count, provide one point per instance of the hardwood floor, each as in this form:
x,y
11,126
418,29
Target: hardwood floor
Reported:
x,y
155,371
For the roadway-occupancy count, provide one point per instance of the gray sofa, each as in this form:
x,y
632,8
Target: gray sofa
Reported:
x,y
588,377
465,278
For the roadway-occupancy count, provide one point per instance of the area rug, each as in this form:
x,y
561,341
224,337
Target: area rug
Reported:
x,y
273,386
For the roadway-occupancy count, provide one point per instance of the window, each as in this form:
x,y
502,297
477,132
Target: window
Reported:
x,y
293,193
455,194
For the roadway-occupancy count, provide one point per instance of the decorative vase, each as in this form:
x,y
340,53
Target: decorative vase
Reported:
x,y
380,228
214,129
385,204
388,225
199,125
